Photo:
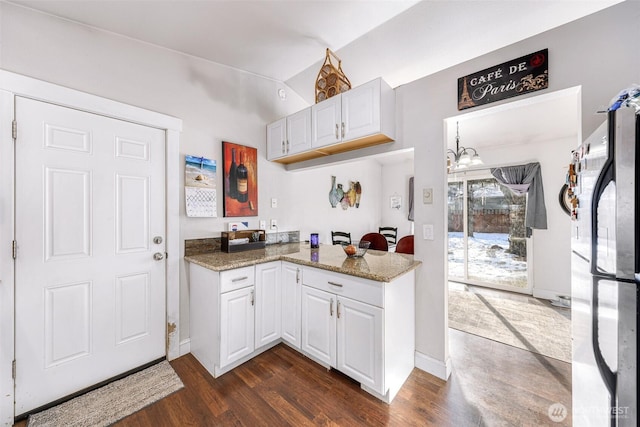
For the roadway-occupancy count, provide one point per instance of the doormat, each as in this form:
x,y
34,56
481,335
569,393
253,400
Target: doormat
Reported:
x,y
520,321
114,401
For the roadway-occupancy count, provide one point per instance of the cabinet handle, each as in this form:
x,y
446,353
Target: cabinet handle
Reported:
x,y
331,308
283,146
287,145
337,136
239,279
343,129
338,310
297,275
335,284
252,297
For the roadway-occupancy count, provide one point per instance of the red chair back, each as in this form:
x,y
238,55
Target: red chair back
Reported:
x,y
378,241
405,245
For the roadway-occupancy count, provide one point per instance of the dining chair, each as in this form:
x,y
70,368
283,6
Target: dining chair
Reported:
x,y
340,237
378,241
405,245
390,233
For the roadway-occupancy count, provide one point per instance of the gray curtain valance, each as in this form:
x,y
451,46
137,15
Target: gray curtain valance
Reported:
x,y
526,179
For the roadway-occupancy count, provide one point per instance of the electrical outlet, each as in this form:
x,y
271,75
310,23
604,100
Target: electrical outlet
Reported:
x,y
263,224
427,196
274,202
274,224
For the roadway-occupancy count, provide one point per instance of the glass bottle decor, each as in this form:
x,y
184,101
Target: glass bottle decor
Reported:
x,y
242,176
233,179
340,192
352,194
333,194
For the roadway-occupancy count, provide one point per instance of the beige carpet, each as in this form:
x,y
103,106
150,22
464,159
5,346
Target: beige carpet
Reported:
x,y
116,400
517,320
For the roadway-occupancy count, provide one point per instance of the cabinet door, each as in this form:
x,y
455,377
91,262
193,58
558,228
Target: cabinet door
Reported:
x,y
236,324
326,119
267,303
291,303
319,325
299,132
360,351
276,139
361,111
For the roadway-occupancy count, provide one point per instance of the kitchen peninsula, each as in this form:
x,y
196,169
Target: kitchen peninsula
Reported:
x,y
353,314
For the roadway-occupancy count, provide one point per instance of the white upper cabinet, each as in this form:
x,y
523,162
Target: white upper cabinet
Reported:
x,y
361,111
359,118
290,135
276,139
326,122
299,131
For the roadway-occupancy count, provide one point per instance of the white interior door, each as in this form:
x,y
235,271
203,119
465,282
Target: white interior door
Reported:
x,y
90,297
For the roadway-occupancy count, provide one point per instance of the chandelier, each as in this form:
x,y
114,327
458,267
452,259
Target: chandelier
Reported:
x,y
461,157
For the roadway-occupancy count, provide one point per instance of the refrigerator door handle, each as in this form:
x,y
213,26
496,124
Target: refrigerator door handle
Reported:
x,y
608,376
607,175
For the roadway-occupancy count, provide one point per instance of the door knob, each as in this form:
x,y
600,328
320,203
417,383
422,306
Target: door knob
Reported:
x,y
158,256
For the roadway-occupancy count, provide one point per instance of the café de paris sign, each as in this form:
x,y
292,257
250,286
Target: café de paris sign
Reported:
x,y
516,77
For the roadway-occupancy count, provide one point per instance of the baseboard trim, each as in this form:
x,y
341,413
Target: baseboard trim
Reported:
x,y
185,346
432,366
545,294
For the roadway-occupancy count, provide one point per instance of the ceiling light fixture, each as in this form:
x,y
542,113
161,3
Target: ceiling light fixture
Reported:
x,y
461,158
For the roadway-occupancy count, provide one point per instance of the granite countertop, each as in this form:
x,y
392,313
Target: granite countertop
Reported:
x,y
380,266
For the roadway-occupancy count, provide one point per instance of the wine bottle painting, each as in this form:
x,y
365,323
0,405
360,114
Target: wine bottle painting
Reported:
x,y
240,180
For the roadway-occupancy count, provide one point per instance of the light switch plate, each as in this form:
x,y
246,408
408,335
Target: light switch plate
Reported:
x,y
427,231
427,196
274,202
263,224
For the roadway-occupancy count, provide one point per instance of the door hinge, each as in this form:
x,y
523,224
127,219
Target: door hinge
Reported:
x,y
13,369
14,249
14,130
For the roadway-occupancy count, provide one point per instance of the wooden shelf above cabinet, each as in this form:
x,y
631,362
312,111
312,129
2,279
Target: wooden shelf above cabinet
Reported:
x,y
341,147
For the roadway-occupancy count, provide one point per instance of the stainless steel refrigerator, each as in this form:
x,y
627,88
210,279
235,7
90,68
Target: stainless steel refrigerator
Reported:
x,y
605,265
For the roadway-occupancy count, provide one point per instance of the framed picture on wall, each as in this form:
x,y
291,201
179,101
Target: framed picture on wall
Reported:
x,y
240,172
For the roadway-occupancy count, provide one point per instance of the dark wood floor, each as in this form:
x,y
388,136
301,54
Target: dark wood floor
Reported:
x,y
492,384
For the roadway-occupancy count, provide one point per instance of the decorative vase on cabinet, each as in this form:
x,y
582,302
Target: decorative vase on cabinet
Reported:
x,y
333,194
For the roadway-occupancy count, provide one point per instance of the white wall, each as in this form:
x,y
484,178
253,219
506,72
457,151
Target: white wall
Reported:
x,y
215,102
395,181
218,103
310,210
607,36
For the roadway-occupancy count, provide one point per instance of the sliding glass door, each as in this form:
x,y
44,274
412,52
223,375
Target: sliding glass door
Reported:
x,y
487,237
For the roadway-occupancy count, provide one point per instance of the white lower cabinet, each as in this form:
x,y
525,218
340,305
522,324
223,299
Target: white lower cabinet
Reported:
x,y
319,325
234,314
291,303
236,325
359,342
268,302
363,328
344,334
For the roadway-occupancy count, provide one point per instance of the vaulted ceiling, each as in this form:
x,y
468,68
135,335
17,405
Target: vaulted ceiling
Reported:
x,y
285,40
398,40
